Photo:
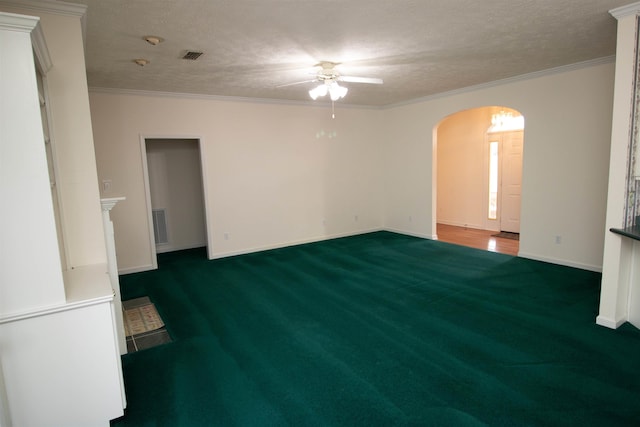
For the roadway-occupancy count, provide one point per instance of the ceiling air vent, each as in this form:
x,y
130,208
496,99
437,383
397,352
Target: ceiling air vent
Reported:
x,y
192,55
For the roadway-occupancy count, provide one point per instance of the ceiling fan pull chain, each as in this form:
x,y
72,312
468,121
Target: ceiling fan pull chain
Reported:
x,y
333,110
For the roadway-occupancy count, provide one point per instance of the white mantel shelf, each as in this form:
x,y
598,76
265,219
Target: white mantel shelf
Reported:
x,y
109,203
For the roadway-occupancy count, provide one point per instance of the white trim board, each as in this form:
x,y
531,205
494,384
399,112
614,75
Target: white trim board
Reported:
x,y
294,243
224,98
566,263
610,323
559,261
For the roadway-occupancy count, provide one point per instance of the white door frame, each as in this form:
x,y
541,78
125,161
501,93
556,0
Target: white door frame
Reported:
x,y
147,191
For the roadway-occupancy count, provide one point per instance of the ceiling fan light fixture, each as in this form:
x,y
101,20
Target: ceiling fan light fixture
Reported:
x,y
334,90
328,79
320,90
337,92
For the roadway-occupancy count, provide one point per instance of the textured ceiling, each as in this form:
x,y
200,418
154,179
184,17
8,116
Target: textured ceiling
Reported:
x,y
418,47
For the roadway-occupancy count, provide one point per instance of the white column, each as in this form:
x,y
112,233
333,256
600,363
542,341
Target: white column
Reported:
x,y
109,237
618,250
30,270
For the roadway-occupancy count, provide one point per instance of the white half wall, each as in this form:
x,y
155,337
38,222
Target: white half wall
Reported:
x,y
566,155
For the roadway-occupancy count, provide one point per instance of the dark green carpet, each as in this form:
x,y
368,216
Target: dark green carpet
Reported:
x,y
378,330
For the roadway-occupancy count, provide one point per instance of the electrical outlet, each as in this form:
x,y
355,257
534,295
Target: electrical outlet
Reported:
x,y
355,218
558,240
226,236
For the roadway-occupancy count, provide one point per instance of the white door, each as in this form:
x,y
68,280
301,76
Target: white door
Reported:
x,y
511,182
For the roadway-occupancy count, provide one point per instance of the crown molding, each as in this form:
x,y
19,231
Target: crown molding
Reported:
x,y
21,23
528,76
508,80
181,95
53,7
622,11
29,24
41,50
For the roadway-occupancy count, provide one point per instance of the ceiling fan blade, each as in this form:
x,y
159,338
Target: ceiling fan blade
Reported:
x,y
352,79
298,83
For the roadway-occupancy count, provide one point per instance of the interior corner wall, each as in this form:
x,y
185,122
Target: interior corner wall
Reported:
x,y
72,135
565,167
463,168
275,174
461,162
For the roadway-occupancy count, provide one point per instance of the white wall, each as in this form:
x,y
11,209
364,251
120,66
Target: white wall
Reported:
x,y
461,165
175,183
272,179
275,174
568,125
72,135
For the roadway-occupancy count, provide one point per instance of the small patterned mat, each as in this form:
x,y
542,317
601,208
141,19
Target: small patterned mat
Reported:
x,y
138,320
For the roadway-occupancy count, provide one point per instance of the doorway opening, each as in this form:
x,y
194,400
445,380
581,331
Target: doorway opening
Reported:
x,y
478,186
176,196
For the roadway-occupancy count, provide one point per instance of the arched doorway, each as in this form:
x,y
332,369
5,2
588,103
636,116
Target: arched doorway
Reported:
x,y
479,156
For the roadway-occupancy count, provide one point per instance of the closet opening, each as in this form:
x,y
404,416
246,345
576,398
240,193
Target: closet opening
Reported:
x,y
175,190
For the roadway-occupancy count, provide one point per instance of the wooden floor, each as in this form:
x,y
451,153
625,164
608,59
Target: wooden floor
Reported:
x,y
480,239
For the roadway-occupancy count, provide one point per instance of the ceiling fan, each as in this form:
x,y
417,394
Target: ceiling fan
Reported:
x,y
328,78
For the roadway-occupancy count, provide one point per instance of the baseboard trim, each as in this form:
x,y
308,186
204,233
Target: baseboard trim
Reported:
x,y
292,243
609,323
138,269
168,248
413,234
582,266
558,261
463,225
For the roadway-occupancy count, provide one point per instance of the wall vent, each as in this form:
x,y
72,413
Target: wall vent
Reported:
x,y
192,55
160,226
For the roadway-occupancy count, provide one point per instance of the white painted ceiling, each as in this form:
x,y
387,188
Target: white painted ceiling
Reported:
x,y
418,47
